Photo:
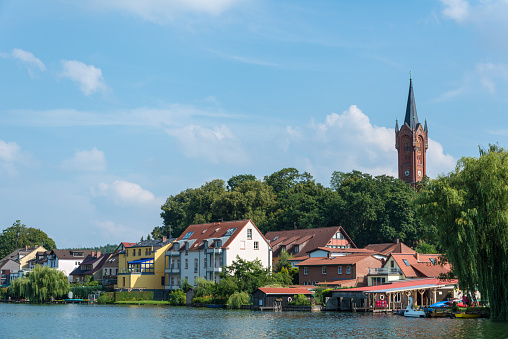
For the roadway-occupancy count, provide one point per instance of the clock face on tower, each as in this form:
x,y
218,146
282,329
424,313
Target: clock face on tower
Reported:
x,y
419,173
406,173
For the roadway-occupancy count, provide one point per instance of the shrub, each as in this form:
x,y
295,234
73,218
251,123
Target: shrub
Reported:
x,y
204,288
3,293
106,298
321,293
123,296
300,300
84,291
237,299
177,297
207,299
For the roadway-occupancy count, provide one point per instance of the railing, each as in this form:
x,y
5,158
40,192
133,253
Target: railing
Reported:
x,y
213,251
171,287
131,270
214,269
384,270
174,270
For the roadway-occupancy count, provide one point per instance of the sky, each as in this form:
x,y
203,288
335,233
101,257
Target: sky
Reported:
x,y
108,107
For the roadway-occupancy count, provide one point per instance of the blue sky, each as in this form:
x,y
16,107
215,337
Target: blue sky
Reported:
x,y
109,107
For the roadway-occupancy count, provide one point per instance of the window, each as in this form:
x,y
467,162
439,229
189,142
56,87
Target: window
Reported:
x,y
124,281
397,297
162,281
134,252
323,270
186,263
406,262
305,270
297,248
229,232
204,263
196,263
139,252
433,261
249,233
348,270
256,245
392,264
339,270
275,238
187,236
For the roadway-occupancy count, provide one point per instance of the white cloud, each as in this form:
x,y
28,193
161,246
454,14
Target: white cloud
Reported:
x,y
489,72
88,77
125,193
347,141
217,145
161,11
28,59
457,10
10,156
93,161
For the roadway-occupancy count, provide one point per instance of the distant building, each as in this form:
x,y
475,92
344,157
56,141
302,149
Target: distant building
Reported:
x,y
90,267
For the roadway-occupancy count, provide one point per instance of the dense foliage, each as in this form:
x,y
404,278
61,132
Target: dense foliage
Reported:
x,y
18,236
470,209
109,248
177,297
371,209
40,285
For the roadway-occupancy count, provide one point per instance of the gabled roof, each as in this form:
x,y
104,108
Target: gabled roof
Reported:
x,y
70,254
314,238
155,243
338,260
423,267
201,232
344,250
387,248
285,290
97,263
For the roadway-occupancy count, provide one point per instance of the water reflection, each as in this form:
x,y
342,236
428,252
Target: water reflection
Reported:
x,y
87,321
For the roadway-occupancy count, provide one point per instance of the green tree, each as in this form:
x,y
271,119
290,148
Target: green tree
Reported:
x,y
249,275
285,179
19,235
237,179
469,207
41,284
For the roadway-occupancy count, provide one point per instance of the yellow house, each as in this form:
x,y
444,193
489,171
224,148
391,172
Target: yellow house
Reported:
x,y
141,267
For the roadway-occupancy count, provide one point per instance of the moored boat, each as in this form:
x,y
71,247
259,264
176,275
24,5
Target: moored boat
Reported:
x,y
468,315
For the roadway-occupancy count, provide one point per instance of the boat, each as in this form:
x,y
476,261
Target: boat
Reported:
x,y
409,312
468,315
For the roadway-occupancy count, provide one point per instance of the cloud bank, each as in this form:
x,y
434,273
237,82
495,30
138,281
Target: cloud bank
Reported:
x,y
87,77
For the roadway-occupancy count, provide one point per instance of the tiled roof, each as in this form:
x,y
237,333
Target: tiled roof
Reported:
x,y
214,230
337,282
344,250
285,290
338,260
414,269
386,249
128,244
315,237
404,284
68,254
155,243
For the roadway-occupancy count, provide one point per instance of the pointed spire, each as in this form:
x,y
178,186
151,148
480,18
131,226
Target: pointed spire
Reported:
x,y
411,118
397,125
425,128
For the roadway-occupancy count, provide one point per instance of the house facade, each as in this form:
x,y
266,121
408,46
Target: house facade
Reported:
x,y
110,267
90,267
202,250
141,267
344,270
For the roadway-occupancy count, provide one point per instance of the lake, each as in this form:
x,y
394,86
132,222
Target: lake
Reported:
x,y
107,321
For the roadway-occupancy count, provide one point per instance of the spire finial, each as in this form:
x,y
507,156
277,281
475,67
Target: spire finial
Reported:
x,y
410,77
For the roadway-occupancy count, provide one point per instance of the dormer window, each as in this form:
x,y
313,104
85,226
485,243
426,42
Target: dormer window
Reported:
x,y
406,262
230,232
297,248
433,261
187,236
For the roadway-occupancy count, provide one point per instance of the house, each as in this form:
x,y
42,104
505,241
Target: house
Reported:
x,y
202,250
268,297
141,266
110,267
384,250
63,260
7,266
298,242
394,295
91,266
340,270
24,255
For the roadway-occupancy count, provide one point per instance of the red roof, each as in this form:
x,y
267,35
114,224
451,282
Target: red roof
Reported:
x,y
387,249
421,267
401,285
128,244
285,290
338,260
337,282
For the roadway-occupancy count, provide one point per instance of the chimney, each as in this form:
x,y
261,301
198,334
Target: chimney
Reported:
x,y
296,227
97,254
417,255
93,254
397,240
164,239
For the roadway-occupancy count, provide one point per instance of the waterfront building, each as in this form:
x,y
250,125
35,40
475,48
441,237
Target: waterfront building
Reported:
x,y
298,242
411,142
202,251
90,267
276,297
141,267
110,267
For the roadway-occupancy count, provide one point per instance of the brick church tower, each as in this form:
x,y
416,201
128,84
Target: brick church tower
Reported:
x,y
411,142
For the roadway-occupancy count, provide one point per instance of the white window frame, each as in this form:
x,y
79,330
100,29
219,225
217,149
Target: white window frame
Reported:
x,y
256,245
305,270
323,269
339,270
249,233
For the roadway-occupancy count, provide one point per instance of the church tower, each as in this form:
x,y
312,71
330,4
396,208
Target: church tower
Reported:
x,y
411,142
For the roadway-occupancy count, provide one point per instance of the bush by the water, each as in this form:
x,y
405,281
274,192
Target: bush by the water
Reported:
x,y
106,298
237,299
83,291
177,297
125,296
206,299
300,300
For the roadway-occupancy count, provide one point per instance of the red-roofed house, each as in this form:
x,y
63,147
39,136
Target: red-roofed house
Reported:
x,y
267,296
202,250
343,270
299,242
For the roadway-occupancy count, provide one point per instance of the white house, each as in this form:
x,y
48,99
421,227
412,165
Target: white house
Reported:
x,y
202,250
63,260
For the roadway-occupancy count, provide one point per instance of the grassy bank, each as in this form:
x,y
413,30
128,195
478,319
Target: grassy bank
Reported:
x,y
143,302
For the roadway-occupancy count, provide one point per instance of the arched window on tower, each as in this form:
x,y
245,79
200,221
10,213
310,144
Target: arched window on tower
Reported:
x,y
407,148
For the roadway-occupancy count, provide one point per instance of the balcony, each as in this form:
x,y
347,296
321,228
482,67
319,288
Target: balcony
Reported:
x,y
173,270
171,287
173,253
214,269
213,251
385,271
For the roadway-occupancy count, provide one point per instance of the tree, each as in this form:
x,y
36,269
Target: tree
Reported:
x,y
249,275
18,235
469,207
237,179
41,284
287,178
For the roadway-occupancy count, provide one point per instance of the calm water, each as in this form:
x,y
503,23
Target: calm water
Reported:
x,y
92,321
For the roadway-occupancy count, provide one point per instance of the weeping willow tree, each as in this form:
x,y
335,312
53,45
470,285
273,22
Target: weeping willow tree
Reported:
x,y
40,285
469,207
